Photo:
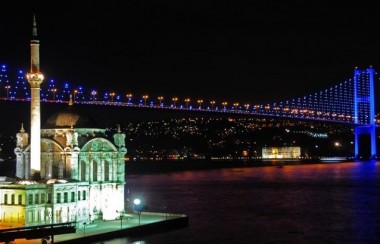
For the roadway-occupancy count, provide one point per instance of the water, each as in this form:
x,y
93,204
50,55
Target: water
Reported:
x,y
318,203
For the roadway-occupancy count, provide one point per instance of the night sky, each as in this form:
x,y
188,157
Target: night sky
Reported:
x,y
251,51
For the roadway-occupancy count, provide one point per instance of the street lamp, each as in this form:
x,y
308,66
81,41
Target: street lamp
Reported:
x,y
112,94
93,93
137,203
54,90
129,96
122,212
200,101
235,105
7,87
212,104
175,99
246,106
187,100
224,105
75,93
160,98
145,97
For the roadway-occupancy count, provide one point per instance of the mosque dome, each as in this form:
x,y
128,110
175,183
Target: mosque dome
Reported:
x,y
25,182
69,117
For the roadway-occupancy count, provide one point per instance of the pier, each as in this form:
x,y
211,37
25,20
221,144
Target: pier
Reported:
x,y
130,225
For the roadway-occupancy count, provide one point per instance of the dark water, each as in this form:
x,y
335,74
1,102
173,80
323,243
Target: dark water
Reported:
x,y
319,203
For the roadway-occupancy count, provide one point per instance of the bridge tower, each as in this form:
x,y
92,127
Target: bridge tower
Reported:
x,y
364,108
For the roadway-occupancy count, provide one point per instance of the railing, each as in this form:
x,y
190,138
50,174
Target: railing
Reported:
x,y
37,231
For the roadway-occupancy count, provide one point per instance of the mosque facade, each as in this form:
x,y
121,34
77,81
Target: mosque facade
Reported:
x,y
80,176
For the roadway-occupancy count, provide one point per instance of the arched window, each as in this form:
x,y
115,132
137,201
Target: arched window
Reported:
x,y
13,199
5,198
65,197
19,199
83,171
30,201
94,171
106,171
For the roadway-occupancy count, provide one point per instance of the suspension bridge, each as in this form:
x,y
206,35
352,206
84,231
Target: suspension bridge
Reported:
x,y
349,102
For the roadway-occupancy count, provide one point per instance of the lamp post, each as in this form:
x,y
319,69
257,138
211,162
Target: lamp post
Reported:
x,y
187,100
145,97
84,229
160,98
93,93
235,105
224,105
121,218
54,90
75,93
246,106
137,203
212,104
200,101
129,96
112,94
7,88
175,99
166,212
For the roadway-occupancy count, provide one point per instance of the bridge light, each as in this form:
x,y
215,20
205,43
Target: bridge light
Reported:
x,y
129,96
174,99
212,104
187,100
145,97
160,98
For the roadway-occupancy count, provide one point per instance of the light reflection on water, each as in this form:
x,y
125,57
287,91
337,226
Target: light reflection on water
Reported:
x,y
316,203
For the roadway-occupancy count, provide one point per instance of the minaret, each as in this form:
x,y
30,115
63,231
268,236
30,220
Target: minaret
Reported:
x,y
35,78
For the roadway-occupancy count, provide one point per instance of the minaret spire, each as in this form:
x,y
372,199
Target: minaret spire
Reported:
x,y
35,78
34,31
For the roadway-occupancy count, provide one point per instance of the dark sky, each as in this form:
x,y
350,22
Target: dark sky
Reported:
x,y
246,51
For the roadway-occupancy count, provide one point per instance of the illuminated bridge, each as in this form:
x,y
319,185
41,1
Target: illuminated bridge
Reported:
x,y
351,102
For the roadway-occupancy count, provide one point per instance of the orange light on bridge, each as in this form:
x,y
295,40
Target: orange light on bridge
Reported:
x,y
174,99
129,96
145,97
160,98
112,94
200,101
212,104
187,100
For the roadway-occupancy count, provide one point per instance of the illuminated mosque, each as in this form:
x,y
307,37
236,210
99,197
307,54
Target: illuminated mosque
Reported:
x,y
68,172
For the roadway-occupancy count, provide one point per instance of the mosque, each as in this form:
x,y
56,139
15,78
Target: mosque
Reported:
x,y
68,171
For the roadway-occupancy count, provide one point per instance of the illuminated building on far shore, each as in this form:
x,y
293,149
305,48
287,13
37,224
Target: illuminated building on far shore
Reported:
x,y
281,152
79,174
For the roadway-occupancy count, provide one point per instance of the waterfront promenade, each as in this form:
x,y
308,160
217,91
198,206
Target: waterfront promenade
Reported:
x,y
131,225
